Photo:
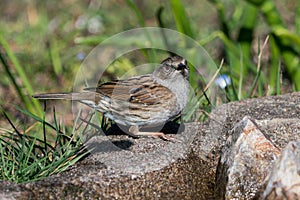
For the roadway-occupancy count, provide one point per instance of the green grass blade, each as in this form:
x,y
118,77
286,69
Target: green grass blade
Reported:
x,y
233,87
246,32
13,80
137,12
35,117
297,19
142,23
19,154
274,75
32,105
55,57
241,75
288,42
181,19
233,52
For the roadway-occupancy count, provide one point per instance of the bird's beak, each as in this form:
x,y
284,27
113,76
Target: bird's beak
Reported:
x,y
183,68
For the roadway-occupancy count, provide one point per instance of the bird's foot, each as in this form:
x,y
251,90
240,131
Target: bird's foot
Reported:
x,y
134,130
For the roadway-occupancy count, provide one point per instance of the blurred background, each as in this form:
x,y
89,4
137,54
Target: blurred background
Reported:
x,y
43,43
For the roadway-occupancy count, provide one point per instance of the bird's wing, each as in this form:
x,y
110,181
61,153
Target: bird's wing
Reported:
x,y
140,90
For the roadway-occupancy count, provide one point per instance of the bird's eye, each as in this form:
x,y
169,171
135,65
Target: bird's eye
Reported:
x,y
168,68
181,66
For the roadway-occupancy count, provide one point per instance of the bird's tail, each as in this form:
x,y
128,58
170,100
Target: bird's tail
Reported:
x,y
68,96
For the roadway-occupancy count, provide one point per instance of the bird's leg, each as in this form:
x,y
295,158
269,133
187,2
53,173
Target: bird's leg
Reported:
x,y
134,130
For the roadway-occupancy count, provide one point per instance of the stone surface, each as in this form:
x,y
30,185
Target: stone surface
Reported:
x,y
246,160
284,180
154,168
281,130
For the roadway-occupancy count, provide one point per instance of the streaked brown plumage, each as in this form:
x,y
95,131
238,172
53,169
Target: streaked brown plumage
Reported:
x,y
140,101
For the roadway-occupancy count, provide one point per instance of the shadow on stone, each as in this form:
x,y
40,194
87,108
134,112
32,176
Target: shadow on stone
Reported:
x,y
108,146
169,128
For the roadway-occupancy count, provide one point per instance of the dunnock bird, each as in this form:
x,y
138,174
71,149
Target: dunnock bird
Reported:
x,y
142,101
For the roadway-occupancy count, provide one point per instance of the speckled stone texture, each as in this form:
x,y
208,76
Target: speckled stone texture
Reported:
x,y
246,160
121,167
284,180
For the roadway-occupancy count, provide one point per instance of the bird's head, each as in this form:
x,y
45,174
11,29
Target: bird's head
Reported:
x,y
172,67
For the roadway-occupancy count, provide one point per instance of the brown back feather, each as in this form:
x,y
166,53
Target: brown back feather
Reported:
x,y
141,90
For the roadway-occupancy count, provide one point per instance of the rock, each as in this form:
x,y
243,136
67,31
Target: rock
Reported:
x,y
281,130
284,180
246,160
143,168
122,167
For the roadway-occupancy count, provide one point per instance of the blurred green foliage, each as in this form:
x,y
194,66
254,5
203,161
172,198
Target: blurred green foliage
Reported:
x,y
238,36
46,38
